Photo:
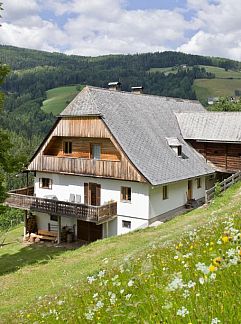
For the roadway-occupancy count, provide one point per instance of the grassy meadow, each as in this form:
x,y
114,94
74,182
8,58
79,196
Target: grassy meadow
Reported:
x,y
184,271
215,87
59,98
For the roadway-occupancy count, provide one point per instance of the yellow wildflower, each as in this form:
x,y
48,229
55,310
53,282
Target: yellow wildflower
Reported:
x,y
212,268
225,239
217,261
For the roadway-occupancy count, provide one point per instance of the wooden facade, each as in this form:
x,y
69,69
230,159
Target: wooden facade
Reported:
x,y
83,132
225,156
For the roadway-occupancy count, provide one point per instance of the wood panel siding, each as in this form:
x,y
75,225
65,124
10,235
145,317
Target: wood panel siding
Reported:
x,y
226,156
84,131
81,148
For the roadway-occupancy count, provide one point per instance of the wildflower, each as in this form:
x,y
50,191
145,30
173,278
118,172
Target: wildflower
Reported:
x,y
130,283
212,268
225,239
99,304
202,267
176,283
89,316
95,295
121,291
175,257
182,312
101,273
113,299
128,296
186,293
231,252
60,302
215,321
201,280
191,284
217,261
213,276
91,279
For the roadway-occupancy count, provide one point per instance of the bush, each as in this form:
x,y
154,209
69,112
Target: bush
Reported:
x,y
218,189
9,217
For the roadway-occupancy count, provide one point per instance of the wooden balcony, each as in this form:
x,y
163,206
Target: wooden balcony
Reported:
x,y
23,199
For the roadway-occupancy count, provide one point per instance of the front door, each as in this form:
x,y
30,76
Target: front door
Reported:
x,y
92,194
189,191
87,231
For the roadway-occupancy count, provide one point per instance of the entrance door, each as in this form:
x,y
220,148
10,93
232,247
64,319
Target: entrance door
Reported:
x,y
92,194
189,192
87,231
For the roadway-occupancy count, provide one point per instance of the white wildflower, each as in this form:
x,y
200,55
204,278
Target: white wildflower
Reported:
x,y
201,280
186,293
95,295
215,321
202,267
60,302
101,273
128,296
213,276
115,278
130,283
182,312
89,316
122,291
175,257
231,252
99,304
191,284
113,299
176,283
91,279
234,261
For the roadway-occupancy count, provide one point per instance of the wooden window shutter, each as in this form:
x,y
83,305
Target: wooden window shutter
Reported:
x,y
86,193
98,189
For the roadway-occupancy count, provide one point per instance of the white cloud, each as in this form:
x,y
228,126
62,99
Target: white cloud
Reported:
x,y
96,27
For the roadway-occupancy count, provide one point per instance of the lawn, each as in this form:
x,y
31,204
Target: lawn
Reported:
x,y
165,70
142,254
59,98
215,87
222,73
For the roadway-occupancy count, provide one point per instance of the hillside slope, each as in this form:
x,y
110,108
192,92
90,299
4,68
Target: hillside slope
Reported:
x,y
28,276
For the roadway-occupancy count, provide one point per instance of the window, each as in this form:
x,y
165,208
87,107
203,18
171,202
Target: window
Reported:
x,y
54,218
95,151
45,183
126,224
126,194
199,183
179,150
164,192
67,147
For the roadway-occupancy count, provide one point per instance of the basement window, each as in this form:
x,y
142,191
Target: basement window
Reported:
x,y
67,147
126,224
45,183
126,194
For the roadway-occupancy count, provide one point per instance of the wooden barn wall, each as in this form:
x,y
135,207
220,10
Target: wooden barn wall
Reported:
x,y
224,155
84,131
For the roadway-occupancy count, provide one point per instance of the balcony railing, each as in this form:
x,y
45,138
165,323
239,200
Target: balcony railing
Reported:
x,y
23,199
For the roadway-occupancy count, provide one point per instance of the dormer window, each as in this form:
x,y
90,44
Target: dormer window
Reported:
x,y
175,145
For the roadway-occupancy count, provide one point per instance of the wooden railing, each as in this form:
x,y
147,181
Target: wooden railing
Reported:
x,y
62,208
225,184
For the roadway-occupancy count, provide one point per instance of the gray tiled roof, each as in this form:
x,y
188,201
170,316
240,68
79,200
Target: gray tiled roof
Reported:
x,y
211,126
141,124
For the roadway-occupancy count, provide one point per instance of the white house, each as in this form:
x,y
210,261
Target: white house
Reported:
x,y
113,162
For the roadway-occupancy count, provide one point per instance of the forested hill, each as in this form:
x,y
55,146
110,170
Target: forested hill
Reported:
x,y
34,72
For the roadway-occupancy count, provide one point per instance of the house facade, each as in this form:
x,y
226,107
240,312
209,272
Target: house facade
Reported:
x,y
114,162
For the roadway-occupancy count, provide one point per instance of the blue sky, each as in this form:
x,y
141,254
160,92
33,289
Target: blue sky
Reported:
x,y
99,27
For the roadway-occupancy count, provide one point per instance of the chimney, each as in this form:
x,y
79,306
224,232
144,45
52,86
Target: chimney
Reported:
x,y
137,90
115,86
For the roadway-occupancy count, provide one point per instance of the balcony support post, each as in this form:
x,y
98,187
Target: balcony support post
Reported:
x,y
25,223
59,229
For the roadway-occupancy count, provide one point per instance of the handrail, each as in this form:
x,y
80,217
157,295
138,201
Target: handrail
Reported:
x,y
63,208
224,185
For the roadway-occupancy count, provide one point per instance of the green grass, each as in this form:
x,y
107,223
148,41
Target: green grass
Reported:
x,y
165,70
59,98
221,73
215,87
57,280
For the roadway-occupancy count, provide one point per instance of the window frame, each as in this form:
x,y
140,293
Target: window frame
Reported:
x,y
126,192
126,224
165,192
91,151
67,147
41,183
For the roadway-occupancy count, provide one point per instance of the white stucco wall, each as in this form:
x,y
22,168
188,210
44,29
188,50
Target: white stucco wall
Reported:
x,y
64,185
177,196
44,219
